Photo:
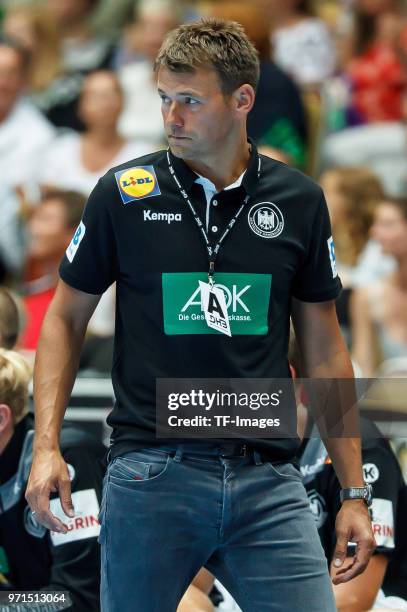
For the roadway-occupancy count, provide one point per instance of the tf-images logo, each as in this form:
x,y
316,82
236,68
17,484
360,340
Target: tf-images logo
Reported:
x,y
266,220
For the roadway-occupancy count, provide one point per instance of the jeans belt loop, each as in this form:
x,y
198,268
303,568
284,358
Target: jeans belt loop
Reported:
x,y
178,455
257,457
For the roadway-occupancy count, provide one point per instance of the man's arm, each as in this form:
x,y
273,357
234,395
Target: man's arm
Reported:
x,y
55,369
324,355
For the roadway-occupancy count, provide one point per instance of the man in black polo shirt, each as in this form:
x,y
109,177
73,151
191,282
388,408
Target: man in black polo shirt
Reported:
x,y
207,222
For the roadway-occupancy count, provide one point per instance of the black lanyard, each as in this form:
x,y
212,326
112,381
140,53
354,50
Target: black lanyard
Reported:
x,y
213,251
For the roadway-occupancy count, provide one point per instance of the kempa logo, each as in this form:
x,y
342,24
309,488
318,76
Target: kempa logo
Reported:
x,y
233,297
266,220
168,217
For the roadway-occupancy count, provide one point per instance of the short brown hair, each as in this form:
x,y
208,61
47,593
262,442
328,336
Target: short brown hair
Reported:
x,y
362,191
72,202
15,375
222,45
9,319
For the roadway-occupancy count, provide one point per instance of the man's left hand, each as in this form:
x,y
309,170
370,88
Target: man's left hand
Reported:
x,y
353,524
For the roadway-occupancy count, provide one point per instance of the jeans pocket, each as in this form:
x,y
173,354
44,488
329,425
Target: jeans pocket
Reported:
x,y
284,471
139,467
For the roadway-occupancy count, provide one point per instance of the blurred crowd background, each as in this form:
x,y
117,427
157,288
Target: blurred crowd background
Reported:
x,y
77,96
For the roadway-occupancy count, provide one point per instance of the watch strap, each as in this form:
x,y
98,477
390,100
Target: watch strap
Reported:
x,y
364,493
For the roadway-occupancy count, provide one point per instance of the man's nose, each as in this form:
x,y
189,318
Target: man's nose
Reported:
x,y
174,116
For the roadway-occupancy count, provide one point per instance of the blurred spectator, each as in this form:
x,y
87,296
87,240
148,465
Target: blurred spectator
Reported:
x,y
141,118
142,36
379,311
110,16
382,146
371,92
9,319
301,42
50,229
76,162
36,29
352,195
33,558
24,132
12,233
82,51
64,48
377,70
277,120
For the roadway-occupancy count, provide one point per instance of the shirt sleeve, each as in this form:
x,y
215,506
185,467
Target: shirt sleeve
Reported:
x,y
90,261
317,280
75,555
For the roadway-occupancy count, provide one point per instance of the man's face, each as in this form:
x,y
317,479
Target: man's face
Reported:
x,y
49,235
197,115
11,79
101,100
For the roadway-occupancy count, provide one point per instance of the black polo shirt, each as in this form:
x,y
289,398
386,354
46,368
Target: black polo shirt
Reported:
x,y
138,230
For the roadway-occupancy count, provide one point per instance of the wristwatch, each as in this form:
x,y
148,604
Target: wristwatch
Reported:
x,y
364,493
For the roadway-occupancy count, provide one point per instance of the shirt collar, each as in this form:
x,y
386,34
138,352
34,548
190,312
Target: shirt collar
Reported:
x,y
208,185
249,179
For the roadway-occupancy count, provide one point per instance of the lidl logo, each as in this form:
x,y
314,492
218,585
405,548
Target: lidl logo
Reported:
x,y
137,183
247,299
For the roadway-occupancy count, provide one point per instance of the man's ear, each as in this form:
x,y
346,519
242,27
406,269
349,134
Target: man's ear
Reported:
x,y
243,98
6,417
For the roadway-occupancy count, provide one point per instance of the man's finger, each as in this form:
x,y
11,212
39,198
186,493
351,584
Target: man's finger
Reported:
x,y
64,487
340,548
44,515
349,572
361,559
50,521
337,576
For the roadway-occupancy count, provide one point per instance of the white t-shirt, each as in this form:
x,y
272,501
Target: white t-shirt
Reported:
x,y
62,165
141,117
371,265
24,136
305,51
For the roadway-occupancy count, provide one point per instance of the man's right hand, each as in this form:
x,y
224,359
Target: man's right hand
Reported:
x,y
49,473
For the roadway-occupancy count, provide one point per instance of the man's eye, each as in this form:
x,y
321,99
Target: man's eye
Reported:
x,y
164,99
189,100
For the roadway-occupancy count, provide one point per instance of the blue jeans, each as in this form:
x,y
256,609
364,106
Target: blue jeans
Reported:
x,y
166,514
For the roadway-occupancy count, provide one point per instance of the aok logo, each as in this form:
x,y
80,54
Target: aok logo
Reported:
x,y
247,299
137,183
233,296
